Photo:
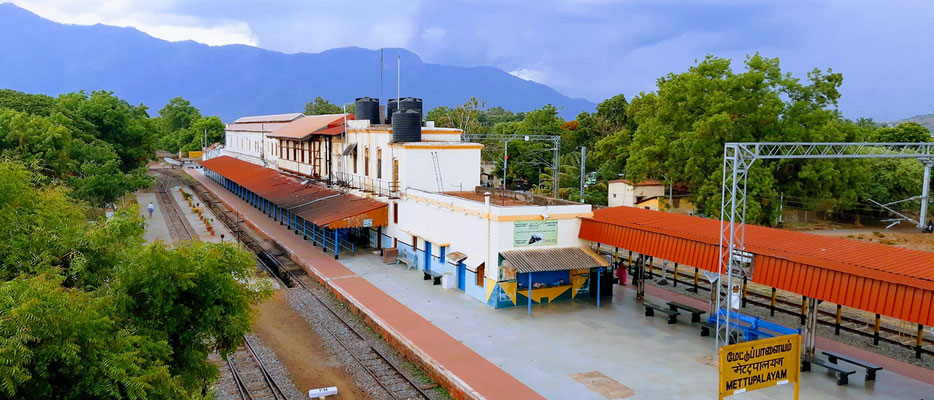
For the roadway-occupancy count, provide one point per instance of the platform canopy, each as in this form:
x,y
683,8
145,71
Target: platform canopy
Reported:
x,y
887,280
552,259
317,204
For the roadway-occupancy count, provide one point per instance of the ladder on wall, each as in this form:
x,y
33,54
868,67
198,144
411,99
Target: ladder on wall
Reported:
x,y
434,159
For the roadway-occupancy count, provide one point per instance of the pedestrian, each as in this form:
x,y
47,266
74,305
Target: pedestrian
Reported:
x,y
151,208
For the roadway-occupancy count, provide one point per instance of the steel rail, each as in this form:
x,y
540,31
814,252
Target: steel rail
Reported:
x,y
263,255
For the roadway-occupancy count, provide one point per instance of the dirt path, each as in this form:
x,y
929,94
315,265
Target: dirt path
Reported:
x,y
299,348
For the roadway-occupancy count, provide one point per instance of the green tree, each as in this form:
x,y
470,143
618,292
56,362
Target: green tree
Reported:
x,y
60,343
178,114
908,132
683,126
465,117
195,297
320,106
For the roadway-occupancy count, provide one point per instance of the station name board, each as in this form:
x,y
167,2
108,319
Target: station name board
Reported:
x,y
760,363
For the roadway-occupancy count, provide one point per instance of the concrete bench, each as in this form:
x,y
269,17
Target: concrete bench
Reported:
x,y
843,375
695,312
871,369
651,308
434,276
407,258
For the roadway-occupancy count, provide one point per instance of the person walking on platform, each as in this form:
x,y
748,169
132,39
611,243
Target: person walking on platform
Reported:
x,y
151,208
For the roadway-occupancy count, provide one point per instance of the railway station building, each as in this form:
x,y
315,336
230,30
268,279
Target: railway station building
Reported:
x,y
342,181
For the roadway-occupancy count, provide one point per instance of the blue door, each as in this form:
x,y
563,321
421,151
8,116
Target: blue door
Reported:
x,y
427,255
461,275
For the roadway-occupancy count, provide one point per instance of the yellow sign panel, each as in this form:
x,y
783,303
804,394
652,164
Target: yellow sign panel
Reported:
x,y
760,363
194,154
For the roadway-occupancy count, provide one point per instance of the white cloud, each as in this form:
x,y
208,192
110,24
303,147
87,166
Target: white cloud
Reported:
x,y
529,74
433,35
149,17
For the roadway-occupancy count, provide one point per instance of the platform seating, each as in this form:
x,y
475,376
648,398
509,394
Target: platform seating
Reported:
x,y
753,327
650,309
429,274
843,375
407,257
695,312
871,369
707,327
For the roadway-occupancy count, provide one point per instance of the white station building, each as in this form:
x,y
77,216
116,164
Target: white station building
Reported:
x,y
413,191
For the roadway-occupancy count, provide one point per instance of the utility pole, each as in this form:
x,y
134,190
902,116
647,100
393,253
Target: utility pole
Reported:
x,y
505,163
583,170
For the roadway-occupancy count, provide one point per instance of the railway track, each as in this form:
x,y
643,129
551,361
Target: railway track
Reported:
x,y
385,373
848,324
249,373
178,228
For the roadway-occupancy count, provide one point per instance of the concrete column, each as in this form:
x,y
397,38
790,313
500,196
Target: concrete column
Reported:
x,y
925,193
810,330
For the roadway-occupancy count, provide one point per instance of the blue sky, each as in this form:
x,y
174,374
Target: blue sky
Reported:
x,y
584,48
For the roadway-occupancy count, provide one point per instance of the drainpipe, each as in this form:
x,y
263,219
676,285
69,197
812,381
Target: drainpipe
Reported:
x,y
489,259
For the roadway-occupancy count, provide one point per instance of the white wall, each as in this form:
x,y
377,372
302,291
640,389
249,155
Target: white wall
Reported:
x,y
624,194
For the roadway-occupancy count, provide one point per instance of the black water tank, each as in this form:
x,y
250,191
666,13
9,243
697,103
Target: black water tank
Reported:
x,y
406,126
391,107
411,103
367,108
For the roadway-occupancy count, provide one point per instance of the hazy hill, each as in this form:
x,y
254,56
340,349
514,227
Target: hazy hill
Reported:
x,y
40,56
926,120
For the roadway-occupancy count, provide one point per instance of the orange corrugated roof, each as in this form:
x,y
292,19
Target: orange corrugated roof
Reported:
x,y
885,279
302,128
836,253
317,204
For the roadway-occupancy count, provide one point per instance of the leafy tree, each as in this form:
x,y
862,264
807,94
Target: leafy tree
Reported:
x,y
465,117
178,114
683,126
320,106
909,132
89,311
196,298
125,127
65,344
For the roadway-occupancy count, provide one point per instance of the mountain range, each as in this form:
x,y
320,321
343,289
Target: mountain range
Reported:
x,y
41,56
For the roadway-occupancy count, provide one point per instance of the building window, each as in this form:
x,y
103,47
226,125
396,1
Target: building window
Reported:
x,y
304,150
395,174
481,271
355,161
379,163
395,213
366,161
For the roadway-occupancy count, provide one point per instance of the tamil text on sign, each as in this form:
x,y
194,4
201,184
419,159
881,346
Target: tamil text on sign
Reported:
x,y
759,363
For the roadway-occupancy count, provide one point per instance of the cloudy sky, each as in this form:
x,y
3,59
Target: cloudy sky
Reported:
x,y
583,48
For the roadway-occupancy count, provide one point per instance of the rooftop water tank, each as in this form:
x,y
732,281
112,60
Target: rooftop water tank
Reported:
x,y
411,103
406,126
367,108
391,107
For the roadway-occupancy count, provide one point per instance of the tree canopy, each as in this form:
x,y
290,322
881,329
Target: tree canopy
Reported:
x,y
91,311
320,106
96,143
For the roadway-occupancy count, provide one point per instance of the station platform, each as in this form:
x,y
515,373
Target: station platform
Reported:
x,y
465,371
564,343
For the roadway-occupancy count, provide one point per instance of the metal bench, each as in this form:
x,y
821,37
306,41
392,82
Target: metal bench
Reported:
x,y
707,327
843,375
695,312
650,309
871,369
434,276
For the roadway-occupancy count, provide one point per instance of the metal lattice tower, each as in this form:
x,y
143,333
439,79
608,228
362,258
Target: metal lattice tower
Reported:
x,y
739,157
555,150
